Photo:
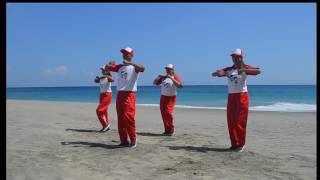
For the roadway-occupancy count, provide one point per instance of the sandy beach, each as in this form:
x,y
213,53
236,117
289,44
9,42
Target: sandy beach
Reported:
x,y
60,140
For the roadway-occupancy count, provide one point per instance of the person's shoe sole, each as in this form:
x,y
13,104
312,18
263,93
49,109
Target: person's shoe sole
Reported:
x,y
134,145
168,134
240,149
106,129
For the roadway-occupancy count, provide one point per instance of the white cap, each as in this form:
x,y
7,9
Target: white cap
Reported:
x,y
127,50
169,66
238,52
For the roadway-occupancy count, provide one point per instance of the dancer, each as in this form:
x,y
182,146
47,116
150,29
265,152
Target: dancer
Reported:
x,y
105,97
128,73
169,84
238,98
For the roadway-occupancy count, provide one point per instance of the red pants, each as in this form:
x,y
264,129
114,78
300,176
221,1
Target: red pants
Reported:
x,y
237,115
102,109
126,109
167,104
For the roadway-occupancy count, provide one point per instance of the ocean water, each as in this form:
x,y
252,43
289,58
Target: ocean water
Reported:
x,y
282,98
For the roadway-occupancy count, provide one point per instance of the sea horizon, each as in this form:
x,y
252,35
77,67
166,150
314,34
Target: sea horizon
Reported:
x,y
154,85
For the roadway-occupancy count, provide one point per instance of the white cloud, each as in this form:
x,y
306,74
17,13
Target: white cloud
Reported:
x,y
57,71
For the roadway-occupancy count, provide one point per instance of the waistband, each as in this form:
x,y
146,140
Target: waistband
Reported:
x,y
238,93
168,96
105,92
126,92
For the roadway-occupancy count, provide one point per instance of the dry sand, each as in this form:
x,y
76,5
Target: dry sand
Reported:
x,y
59,140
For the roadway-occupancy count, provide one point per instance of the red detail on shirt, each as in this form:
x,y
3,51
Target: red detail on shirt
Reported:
x,y
251,67
115,68
136,70
161,79
109,79
246,67
97,80
176,77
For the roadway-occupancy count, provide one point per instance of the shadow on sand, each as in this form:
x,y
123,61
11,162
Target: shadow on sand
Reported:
x,y
149,134
82,130
91,144
198,149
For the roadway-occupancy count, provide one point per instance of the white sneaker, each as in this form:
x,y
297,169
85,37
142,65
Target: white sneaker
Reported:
x,y
106,128
240,149
168,133
133,145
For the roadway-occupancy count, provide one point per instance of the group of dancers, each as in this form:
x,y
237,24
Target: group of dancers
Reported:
x,y
126,82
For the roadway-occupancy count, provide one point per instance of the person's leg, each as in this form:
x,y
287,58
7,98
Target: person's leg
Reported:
x,y
242,118
129,115
232,117
169,111
101,110
122,130
163,110
107,104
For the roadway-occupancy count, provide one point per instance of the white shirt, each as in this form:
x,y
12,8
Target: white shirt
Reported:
x,y
168,88
105,86
127,78
236,83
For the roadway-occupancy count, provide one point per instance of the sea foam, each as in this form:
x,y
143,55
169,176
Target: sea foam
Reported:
x,y
277,107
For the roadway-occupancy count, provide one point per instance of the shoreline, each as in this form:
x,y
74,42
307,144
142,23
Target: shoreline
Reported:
x,y
157,106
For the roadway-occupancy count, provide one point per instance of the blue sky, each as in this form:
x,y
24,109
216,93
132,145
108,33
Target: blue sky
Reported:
x,y
64,44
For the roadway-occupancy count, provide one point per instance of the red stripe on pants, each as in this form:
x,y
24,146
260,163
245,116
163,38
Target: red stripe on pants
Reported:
x,y
126,109
237,115
102,109
167,104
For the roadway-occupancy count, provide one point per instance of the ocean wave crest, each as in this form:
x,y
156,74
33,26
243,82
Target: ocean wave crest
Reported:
x,y
277,107
286,107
